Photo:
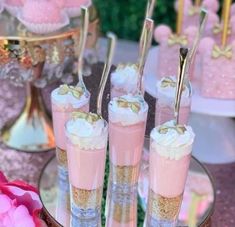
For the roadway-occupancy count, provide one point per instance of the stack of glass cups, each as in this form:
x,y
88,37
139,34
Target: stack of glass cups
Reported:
x,y
124,80
170,155
166,89
127,123
86,146
65,100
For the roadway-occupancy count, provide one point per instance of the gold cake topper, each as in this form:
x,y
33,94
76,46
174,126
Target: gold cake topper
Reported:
x,y
89,117
75,91
123,66
226,51
177,39
134,106
180,129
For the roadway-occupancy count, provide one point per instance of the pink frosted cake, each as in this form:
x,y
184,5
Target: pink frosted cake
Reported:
x,y
124,80
73,7
192,11
41,11
169,45
42,16
218,67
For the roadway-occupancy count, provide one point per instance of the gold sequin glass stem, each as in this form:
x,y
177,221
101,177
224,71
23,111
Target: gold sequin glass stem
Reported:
x,y
180,15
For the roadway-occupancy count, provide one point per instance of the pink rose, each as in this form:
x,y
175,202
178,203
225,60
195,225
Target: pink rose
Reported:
x,y
20,205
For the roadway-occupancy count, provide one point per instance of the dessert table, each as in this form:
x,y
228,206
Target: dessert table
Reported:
x,y
27,166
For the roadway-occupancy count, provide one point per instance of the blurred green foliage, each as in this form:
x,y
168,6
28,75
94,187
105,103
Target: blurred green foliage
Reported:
x,y
125,17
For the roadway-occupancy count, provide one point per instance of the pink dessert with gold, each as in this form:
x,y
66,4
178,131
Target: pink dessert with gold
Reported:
x,y
127,122
65,100
87,135
166,89
170,154
218,67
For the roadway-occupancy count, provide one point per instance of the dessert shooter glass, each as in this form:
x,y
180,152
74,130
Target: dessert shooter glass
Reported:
x,y
126,138
165,101
170,154
86,165
63,104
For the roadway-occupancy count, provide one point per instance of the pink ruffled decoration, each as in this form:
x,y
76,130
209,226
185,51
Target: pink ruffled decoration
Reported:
x,y
20,205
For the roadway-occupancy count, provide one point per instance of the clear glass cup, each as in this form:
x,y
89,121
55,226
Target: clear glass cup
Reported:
x,y
86,166
164,109
125,151
60,114
167,178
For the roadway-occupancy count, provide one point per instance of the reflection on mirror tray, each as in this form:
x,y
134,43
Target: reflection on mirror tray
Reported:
x,y
196,210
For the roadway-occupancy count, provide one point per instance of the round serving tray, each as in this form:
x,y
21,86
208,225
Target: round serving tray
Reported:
x,y
198,202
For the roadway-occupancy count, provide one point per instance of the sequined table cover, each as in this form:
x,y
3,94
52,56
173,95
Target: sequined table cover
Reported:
x,y
26,166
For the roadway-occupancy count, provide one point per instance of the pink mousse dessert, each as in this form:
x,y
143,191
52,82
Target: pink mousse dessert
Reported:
x,y
127,123
166,89
124,80
218,67
87,135
41,12
65,100
170,154
169,45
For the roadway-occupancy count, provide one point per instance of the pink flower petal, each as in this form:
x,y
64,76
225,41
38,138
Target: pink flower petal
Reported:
x,y
5,203
22,217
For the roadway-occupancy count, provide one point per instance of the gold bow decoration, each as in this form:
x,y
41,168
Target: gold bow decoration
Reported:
x,y
180,129
226,51
89,117
168,82
177,39
193,10
75,91
218,28
134,106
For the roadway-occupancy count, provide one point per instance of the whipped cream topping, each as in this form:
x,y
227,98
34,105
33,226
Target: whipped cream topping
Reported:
x,y
69,98
172,144
86,134
128,109
166,89
125,77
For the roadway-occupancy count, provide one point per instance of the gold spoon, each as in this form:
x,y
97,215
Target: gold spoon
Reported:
x,y
180,82
82,43
108,63
145,43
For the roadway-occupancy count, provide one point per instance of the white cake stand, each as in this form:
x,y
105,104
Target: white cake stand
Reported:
x,y
211,119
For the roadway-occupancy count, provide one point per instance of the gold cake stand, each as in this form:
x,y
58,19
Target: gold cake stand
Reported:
x,y
31,60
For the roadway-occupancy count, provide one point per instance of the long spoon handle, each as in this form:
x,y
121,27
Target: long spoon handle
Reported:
x,y
180,82
144,47
108,63
82,41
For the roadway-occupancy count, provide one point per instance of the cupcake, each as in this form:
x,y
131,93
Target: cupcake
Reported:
x,y
43,16
72,7
13,6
